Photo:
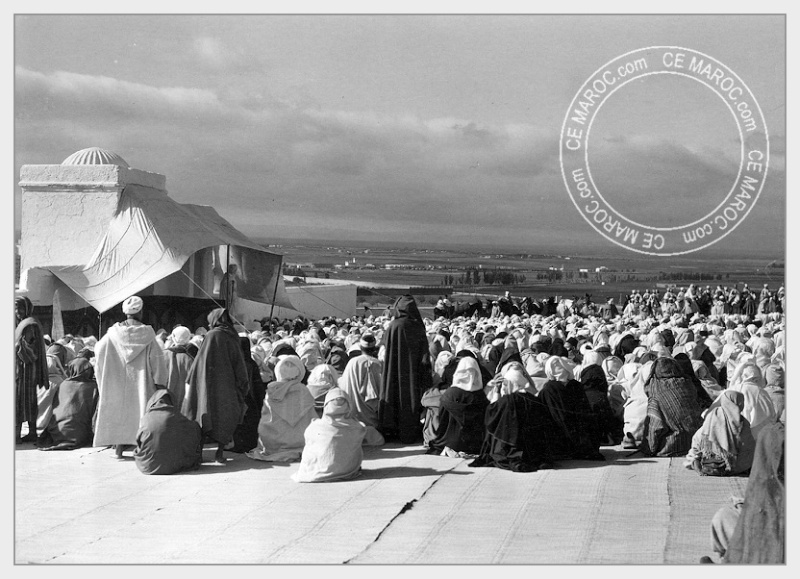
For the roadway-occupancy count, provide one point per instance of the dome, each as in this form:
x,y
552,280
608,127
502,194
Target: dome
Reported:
x,y
95,156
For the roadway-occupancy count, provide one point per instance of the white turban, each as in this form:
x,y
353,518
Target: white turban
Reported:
x,y
180,336
133,305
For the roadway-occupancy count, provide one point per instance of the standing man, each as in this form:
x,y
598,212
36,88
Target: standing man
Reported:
x,y
130,367
227,288
407,373
609,310
218,383
31,367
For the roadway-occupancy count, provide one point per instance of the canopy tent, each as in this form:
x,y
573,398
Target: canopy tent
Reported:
x,y
151,236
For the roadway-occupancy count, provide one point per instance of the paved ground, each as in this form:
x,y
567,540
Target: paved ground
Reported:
x,y
84,506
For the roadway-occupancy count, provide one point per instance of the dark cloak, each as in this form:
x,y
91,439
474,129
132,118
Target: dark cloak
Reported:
x,y
760,534
217,383
626,345
515,434
510,354
31,364
557,348
571,433
407,373
179,362
461,421
245,437
673,414
167,441
604,424
431,399
493,356
703,399
74,406
337,357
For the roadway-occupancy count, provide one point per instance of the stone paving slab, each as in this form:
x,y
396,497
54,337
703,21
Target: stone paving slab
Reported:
x,y
86,507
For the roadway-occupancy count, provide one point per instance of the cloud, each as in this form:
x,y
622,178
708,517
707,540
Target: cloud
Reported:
x,y
283,166
211,51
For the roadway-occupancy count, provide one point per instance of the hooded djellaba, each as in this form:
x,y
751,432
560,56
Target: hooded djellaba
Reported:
x,y
180,357
724,445
407,373
245,437
167,441
673,414
608,429
332,448
71,423
287,411
56,364
515,426
573,432
218,382
463,407
760,533
30,372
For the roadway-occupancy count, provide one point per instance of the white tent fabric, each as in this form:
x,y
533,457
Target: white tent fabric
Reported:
x,y
151,236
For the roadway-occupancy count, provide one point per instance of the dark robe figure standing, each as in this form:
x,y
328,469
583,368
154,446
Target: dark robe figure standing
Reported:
x,y
30,369
179,357
407,373
217,383
245,437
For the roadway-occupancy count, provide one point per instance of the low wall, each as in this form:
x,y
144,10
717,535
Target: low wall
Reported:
x,y
314,302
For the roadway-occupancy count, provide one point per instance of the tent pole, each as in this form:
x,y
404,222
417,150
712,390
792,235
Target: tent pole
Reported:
x,y
100,325
228,278
275,293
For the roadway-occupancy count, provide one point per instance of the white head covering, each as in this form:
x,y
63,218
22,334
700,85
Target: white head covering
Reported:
x,y
592,357
180,336
133,305
337,403
468,375
515,379
558,368
323,375
442,360
289,368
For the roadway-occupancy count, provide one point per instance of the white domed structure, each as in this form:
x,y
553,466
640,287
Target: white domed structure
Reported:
x,y
95,156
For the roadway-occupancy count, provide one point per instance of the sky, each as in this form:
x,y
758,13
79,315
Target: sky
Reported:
x,y
425,128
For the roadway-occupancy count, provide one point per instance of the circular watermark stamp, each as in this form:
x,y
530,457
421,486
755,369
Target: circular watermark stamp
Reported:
x,y
697,233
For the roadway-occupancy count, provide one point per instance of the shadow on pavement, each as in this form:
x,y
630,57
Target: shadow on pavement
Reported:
x,y
380,452
404,471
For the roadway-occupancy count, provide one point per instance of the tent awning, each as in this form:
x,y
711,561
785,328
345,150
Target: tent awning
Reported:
x,y
151,236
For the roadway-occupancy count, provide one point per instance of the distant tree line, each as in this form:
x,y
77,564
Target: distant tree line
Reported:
x,y
475,276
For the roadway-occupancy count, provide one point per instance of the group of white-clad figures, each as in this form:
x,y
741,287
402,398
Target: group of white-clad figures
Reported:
x,y
519,392
707,301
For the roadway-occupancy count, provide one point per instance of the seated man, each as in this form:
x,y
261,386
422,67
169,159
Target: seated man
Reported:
x,y
167,441
753,530
332,448
724,445
71,423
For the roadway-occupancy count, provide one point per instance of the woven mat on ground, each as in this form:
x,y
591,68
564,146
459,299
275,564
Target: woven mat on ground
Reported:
x,y
693,501
581,513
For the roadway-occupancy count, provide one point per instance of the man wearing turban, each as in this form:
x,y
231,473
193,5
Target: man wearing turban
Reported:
x,y
130,366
